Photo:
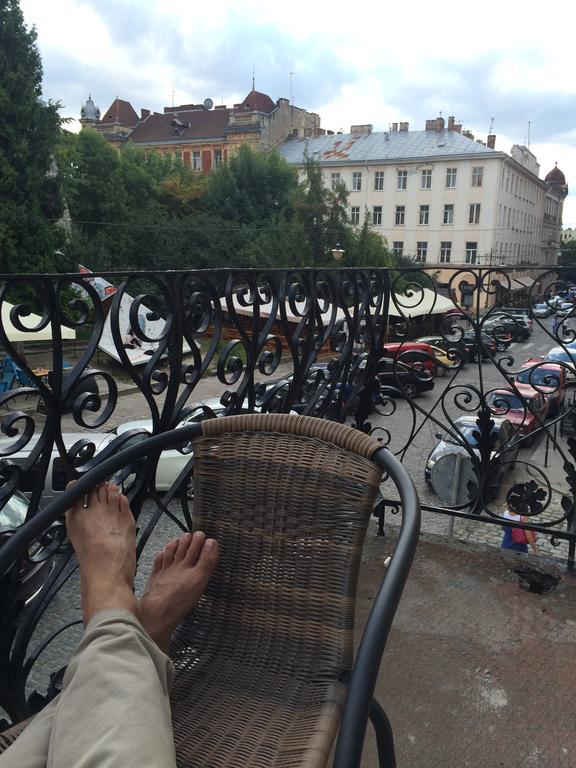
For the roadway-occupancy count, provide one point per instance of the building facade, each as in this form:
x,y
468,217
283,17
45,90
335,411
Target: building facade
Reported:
x,y
202,136
439,197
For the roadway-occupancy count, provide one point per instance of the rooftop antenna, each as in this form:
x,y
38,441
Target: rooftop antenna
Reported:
x,y
491,126
529,124
291,89
172,94
253,75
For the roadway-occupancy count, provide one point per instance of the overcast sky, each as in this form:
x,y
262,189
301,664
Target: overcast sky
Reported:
x,y
352,63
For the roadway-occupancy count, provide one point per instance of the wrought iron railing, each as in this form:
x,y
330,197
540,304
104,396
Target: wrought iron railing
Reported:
x,y
312,341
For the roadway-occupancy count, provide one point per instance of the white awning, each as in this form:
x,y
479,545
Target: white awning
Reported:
x,y
30,321
420,302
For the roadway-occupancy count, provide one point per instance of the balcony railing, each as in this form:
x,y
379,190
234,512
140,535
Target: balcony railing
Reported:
x,y
305,340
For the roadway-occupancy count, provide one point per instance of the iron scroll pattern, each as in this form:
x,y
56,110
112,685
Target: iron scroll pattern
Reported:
x,y
309,341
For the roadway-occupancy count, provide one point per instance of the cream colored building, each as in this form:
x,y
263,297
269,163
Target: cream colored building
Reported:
x,y
439,197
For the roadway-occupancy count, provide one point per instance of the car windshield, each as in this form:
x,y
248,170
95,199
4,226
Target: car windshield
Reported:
x,y
506,400
467,431
13,514
559,354
539,376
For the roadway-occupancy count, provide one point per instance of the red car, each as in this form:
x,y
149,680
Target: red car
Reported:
x,y
526,409
547,378
412,353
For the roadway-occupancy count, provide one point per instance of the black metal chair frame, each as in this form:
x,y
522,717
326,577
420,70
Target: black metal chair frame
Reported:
x,y
360,705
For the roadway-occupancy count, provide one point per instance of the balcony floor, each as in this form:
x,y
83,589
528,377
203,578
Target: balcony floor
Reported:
x,y
477,672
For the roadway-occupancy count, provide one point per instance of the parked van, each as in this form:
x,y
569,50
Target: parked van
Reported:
x,y
56,477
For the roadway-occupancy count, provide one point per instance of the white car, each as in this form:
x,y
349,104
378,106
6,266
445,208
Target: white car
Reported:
x,y
172,462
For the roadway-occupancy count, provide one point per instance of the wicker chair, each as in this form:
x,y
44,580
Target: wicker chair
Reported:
x,y
265,674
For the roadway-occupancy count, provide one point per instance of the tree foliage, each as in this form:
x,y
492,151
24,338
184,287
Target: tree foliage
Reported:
x,y
30,204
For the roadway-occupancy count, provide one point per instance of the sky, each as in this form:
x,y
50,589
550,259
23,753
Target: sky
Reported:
x,y
374,63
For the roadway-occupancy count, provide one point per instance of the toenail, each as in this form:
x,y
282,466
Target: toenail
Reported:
x,y
210,544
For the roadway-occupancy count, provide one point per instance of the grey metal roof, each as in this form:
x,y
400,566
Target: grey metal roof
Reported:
x,y
383,146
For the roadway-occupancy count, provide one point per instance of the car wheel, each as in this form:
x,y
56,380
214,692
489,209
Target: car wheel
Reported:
x,y
410,390
501,346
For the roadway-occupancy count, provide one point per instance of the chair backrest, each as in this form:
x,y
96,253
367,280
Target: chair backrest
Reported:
x,y
8,380
8,366
24,379
290,512
3,387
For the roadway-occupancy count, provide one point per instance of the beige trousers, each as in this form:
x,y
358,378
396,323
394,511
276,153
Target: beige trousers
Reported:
x,y
114,709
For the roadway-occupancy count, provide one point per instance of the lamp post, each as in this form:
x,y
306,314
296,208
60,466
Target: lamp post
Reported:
x,y
337,252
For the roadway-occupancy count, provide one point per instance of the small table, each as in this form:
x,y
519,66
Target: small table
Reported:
x,y
40,372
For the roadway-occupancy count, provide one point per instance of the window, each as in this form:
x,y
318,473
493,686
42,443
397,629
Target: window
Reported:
x,y
402,180
474,213
427,179
451,177
217,157
335,180
448,214
477,174
400,211
398,248
379,181
424,214
355,214
377,216
196,164
421,250
471,253
356,181
445,251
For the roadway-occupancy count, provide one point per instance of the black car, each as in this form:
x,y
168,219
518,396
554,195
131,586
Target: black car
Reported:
x,y
398,379
488,345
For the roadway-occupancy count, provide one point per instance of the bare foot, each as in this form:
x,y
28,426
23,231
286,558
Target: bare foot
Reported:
x,y
104,539
179,577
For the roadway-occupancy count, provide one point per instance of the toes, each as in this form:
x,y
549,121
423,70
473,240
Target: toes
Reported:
x,y
102,493
123,504
209,555
114,496
195,548
182,548
158,560
169,552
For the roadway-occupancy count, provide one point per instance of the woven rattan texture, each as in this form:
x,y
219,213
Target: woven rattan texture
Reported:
x,y
10,735
324,429
260,660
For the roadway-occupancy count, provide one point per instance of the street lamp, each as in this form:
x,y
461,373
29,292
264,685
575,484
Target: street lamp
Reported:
x,y
337,252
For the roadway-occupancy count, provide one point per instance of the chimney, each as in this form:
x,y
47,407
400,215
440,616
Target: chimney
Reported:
x,y
394,126
491,141
404,127
439,124
451,122
144,113
468,134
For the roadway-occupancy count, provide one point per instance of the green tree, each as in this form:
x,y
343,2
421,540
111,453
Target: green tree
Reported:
x,y
30,204
567,259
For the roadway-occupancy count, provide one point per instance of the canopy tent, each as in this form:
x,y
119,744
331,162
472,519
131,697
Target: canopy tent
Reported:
x,y
30,321
422,302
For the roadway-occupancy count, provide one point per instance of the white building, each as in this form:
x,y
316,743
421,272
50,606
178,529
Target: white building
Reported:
x,y
440,197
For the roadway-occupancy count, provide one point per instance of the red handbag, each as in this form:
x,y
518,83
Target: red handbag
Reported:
x,y
519,536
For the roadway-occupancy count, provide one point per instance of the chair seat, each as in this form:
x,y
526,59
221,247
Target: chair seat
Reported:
x,y
230,714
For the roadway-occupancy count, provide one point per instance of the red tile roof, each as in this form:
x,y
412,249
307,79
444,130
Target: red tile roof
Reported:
x,y
192,125
121,112
258,102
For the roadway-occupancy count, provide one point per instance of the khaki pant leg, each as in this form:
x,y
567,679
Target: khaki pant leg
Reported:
x,y
30,750
114,709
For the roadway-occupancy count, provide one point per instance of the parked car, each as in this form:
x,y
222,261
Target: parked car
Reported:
x,y
396,376
416,353
502,457
488,345
444,344
547,378
521,312
542,310
525,408
567,357
564,309
35,568
171,462
56,478
498,325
